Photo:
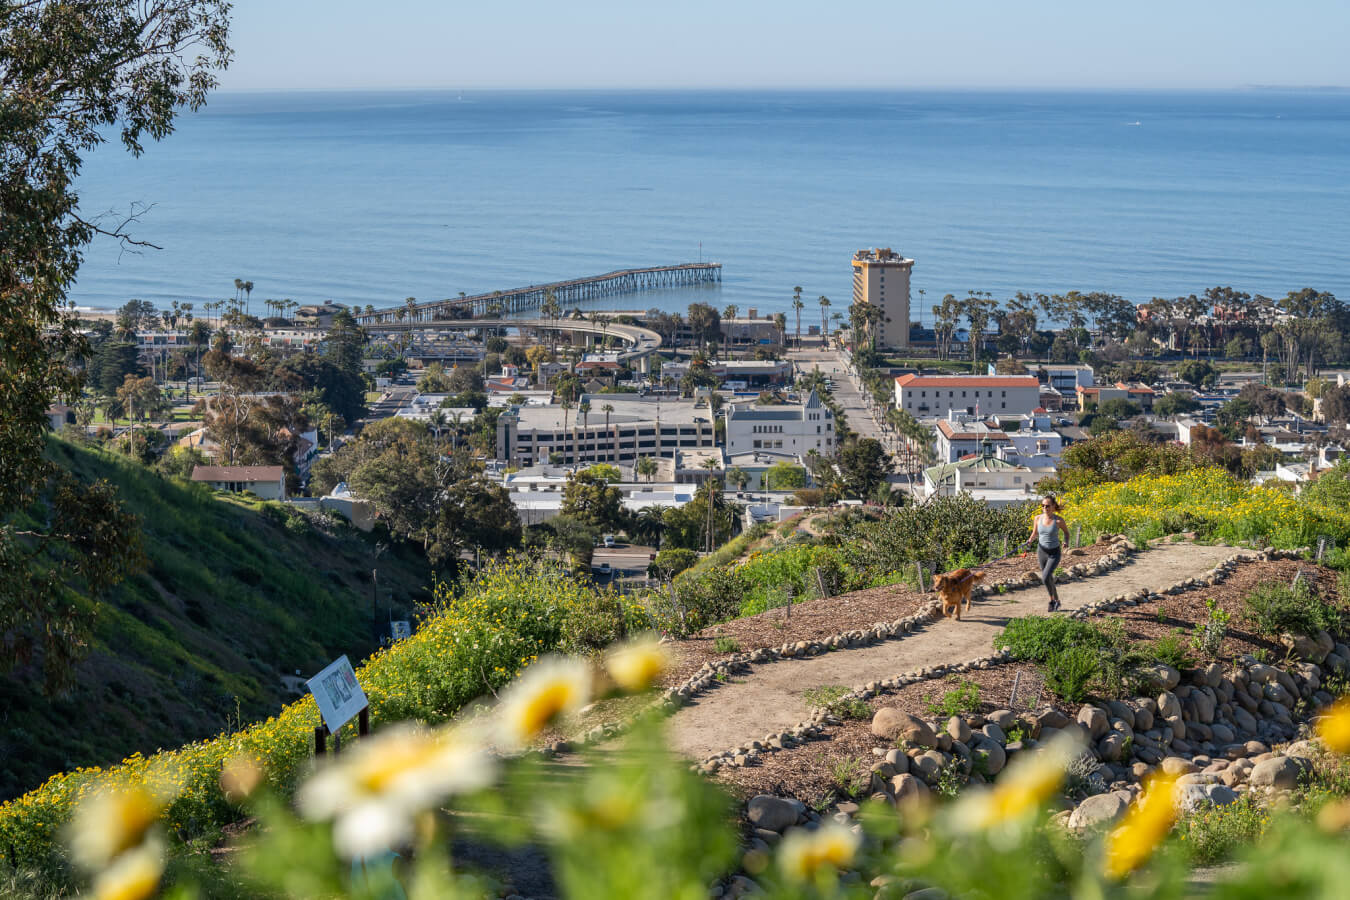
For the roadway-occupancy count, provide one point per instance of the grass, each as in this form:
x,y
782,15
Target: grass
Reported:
x,y
1276,607
1213,835
831,697
230,600
964,698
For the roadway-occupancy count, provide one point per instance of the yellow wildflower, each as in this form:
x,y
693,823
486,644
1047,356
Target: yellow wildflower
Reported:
x,y
1028,785
112,821
1131,844
546,691
803,853
1334,727
636,666
134,876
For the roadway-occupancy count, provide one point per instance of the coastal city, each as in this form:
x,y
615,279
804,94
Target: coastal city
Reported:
x,y
846,408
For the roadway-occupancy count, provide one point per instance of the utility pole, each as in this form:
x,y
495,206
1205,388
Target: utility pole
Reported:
x,y
374,599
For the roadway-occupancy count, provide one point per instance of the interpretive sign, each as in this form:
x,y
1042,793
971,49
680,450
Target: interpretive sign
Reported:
x,y
400,629
338,694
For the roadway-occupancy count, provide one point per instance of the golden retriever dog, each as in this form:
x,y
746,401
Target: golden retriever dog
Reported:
x,y
953,587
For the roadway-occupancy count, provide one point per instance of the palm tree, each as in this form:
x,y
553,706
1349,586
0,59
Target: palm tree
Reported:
x,y
238,288
824,305
567,412
585,409
797,307
780,322
613,456
248,293
645,468
650,522
710,465
738,476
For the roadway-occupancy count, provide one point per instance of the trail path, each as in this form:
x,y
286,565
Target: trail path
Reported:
x,y
769,698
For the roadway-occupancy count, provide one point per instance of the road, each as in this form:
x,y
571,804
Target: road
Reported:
x,y
625,558
848,390
394,400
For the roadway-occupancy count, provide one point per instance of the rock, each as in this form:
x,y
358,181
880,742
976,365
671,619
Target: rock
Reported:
x,y
1003,718
1052,718
1277,693
898,760
771,813
1098,811
1192,797
1244,720
1280,772
1221,734
907,787
1260,673
1204,706
1175,765
988,755
1210,675
1143,716
892,724
1120,711
958,729
1094,720
1169,705
928,765
1303,749
992,731
1111,747
1159,677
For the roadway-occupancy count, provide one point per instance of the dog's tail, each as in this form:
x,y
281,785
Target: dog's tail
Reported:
x,y
977,576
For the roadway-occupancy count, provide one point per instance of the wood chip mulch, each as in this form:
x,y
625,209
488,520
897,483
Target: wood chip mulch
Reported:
x,y
813,620
1150,621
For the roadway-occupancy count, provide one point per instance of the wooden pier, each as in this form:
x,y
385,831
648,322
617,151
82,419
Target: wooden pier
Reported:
x,y
568,294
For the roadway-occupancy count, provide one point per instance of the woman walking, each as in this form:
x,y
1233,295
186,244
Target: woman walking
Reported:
x,y
1045,535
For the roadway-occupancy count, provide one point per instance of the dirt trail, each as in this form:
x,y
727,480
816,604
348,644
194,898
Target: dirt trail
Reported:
x,y
769,698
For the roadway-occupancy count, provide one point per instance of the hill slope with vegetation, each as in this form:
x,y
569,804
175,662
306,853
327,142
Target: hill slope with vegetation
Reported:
x,y
232,596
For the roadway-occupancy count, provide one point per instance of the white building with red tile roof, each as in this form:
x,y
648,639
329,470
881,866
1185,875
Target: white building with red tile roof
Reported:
x,y
934,396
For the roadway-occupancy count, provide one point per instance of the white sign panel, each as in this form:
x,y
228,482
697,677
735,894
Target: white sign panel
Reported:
x,y
400,629
337,693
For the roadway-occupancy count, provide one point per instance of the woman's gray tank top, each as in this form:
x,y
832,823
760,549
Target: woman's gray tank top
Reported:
x,y
1048,535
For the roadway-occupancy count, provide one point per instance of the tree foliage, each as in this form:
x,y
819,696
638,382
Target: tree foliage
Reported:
x,y
72,75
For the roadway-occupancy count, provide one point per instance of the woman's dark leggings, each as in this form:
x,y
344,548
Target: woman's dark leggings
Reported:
x,y
1049,561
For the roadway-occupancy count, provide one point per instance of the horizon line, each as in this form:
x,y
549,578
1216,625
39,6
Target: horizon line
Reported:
x,y
861,89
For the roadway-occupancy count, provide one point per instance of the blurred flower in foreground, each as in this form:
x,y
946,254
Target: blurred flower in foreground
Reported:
x,y
636,666
1334,816
111,822
548,689
1028,785
239,777
374,790
134,875
1150,818
1334,727
804,853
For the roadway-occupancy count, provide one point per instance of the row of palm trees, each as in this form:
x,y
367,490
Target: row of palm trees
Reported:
x,y
798,305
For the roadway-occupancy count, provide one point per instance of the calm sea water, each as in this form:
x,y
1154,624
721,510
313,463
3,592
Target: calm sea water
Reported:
x,y
372,198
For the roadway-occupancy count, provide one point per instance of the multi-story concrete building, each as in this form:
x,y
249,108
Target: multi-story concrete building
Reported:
x,y
635,426
934,396
787,428
881,278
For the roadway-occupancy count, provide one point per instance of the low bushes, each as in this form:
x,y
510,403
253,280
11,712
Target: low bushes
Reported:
x,y
960,700
1213,835
1275,607
1208,501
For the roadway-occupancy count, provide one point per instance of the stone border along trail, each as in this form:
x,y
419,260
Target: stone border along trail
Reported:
x,y
768,697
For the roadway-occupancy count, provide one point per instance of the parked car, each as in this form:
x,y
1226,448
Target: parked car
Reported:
x,y
608,540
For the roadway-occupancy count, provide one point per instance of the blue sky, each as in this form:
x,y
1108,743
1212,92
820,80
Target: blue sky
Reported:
x,y
303,44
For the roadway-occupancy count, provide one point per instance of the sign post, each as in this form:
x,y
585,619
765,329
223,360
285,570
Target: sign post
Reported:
x,y
340,699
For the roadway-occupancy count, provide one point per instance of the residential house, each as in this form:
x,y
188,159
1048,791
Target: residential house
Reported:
x,y
268,482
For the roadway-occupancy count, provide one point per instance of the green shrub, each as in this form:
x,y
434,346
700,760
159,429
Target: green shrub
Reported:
x,y
1208,636
1039,638
702,598
724,644
1171,650
594,622
1274,607
1069,672
964,698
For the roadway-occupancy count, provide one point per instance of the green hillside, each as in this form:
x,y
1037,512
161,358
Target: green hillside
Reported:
x,y
231,598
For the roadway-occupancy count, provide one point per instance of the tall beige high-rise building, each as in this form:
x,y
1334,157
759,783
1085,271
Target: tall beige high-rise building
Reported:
x,y
881,277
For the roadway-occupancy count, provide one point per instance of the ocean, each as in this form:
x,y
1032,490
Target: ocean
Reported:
x,y
370,198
